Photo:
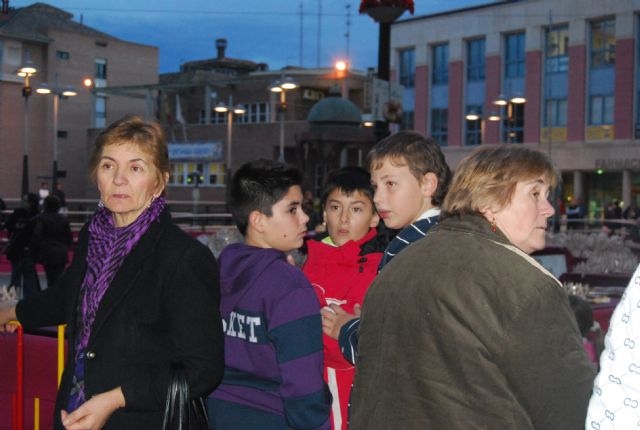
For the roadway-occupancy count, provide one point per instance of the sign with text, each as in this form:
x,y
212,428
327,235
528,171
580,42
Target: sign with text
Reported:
x,y
192,151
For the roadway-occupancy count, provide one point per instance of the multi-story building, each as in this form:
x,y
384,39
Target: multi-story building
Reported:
x,y
205,144
64,52
558,75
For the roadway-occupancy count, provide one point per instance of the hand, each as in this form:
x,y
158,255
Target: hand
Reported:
x,y
7,313
335,317
94,413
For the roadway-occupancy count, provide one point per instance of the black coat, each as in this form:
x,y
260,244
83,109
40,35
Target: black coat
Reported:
x,y
161,307
50,239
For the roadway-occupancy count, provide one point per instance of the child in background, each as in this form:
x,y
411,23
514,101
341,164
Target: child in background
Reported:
x,y
341,267
273,336
410,177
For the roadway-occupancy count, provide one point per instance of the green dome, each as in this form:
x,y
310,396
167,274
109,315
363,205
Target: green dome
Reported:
x,y
335,110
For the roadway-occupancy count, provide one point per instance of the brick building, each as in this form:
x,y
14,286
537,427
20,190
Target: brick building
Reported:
x,y
65,52
199,135
574,66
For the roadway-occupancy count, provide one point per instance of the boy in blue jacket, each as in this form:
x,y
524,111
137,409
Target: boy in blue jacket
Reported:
x,y
410,177
273,337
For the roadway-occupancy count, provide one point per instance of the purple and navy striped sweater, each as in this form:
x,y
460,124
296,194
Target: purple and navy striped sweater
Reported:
x,y
273,345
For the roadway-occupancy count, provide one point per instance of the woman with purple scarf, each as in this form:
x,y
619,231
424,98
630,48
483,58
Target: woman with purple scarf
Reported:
x,y
139,296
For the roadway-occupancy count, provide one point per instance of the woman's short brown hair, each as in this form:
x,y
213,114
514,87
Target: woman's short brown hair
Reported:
x,y
488,178
148,136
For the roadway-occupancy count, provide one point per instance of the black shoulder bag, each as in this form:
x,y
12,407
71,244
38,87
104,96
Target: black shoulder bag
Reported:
x,y
180,412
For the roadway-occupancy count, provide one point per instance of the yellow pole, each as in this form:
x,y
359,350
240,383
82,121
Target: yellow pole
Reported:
x,y
36,413
60,352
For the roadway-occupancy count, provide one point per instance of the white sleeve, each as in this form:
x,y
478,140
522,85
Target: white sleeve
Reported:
x,y
615,401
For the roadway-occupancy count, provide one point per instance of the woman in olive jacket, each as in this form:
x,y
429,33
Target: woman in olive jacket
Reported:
x,y
464,330
139,296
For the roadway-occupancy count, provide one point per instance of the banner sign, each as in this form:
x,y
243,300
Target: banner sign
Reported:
x,y
196,151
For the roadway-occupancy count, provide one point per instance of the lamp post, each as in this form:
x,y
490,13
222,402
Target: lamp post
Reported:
x,y
231,111
473,117
57,93
26,71
510,105
282,86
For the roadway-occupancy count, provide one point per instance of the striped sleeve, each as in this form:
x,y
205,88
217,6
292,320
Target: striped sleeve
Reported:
x,y
295,328
348,340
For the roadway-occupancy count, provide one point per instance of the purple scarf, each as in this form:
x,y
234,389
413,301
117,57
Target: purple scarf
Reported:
x,y
108,247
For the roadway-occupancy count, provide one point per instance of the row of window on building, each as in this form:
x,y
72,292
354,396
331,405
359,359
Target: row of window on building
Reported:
x,y
601,82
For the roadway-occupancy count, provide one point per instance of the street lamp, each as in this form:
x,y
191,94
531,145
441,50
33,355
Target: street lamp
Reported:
x,y
513,113
282,86
231,111
27,70
474,118
57,93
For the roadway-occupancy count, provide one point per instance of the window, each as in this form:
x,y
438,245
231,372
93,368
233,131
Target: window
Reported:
x,y
408,67
407,120
555,114
513,123
101,68
514,55
603,44
211,174
255,113
13,55
62,55
475,60
473,135
557,49
439,126
440,60
601,110
101,112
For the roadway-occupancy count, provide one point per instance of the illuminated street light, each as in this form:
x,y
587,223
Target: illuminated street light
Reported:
x,y
511,106
230,111
57,92
282,86
27,70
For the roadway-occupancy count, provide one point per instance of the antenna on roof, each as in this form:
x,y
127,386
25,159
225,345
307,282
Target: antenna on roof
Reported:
x,y
347,35
301,32
319,43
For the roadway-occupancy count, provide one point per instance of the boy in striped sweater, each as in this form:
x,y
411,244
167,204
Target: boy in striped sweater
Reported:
x,y
273,376
410,177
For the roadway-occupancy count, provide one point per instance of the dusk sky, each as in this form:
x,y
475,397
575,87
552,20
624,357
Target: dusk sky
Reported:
x,y
259,30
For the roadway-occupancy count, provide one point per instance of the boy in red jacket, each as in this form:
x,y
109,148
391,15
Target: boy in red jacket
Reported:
x,y
342,266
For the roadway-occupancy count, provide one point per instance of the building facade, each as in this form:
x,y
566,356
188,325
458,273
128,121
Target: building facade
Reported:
x,y
206,145
556,75
64,52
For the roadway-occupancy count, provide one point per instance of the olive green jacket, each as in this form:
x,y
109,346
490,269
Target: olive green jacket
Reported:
x,y
465,331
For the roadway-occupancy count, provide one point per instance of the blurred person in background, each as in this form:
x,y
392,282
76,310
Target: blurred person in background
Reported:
x,y
19,227
51,240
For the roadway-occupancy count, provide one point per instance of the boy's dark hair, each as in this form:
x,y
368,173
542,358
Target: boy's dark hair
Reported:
x,y
257,186
421,154
348,180
51,204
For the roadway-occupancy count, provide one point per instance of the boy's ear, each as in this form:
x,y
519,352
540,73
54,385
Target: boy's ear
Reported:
x,y
375,219
256,221
429,184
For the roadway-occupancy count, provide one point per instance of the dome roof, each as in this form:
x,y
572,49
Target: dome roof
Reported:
x,y
336,110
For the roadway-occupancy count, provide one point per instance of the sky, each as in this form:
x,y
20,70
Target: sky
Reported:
x,y
267,31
